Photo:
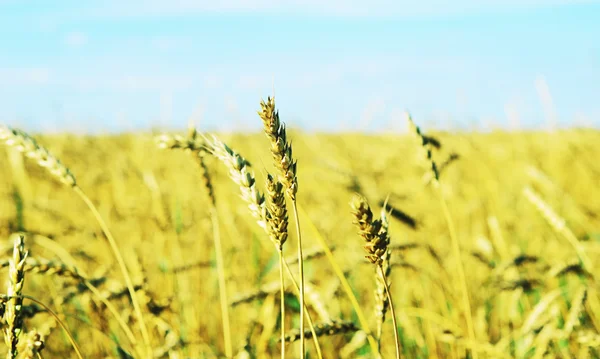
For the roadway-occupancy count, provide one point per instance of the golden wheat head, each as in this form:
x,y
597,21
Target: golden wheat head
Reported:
x,y
372,230
27,145
240,173
281,149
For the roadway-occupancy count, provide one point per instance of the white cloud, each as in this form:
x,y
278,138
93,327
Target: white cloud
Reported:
x,y
75,39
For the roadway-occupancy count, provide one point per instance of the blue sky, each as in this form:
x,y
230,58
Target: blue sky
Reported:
x,y
355,65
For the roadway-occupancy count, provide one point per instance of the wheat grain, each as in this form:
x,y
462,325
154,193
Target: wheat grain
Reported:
x,y
277,217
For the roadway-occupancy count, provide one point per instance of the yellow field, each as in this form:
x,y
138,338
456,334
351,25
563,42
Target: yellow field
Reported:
x,y
530,277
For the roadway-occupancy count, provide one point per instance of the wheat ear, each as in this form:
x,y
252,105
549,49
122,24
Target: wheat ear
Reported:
x,y
49,267
12,314
277,226
281,150
332,327
381,298
28,146
377,241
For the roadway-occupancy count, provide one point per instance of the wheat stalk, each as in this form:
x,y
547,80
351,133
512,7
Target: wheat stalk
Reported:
x,y
381,299
577,306
357,342
314,300
206,179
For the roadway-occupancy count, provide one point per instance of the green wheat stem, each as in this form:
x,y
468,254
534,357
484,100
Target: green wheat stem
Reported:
x,y
301,272
392,311
222,285
282,304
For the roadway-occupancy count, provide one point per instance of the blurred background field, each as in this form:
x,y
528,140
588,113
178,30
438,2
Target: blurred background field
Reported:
x,y
154,203
508,90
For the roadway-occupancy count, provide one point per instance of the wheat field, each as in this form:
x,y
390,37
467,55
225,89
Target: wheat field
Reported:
x,y
495,259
